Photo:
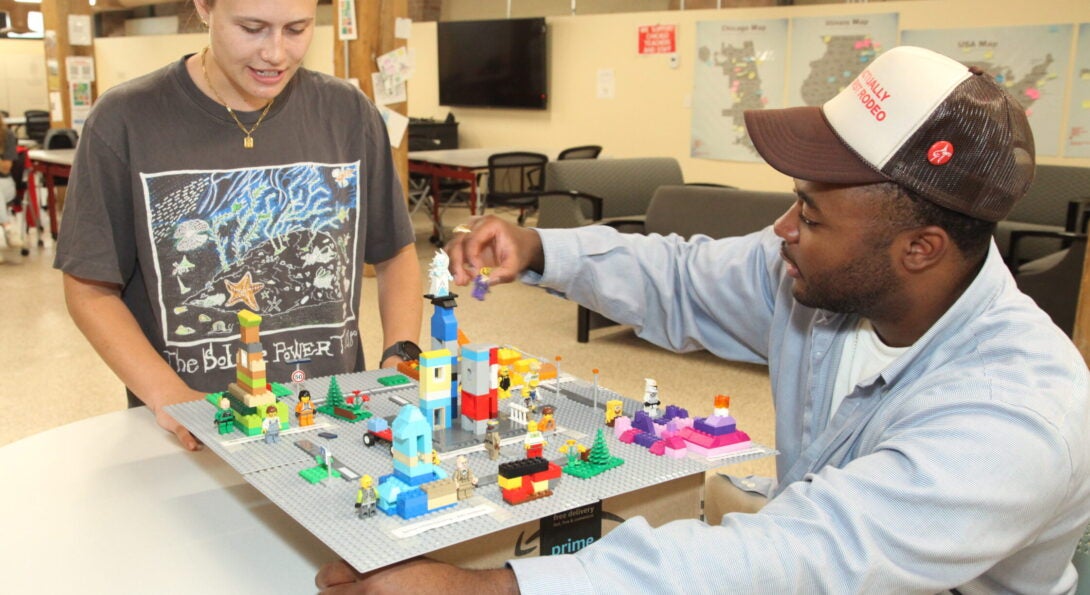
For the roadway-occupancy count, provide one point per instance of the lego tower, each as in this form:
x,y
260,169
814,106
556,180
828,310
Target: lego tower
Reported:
x,y
436,377
479,381
250,385
417,485
444,335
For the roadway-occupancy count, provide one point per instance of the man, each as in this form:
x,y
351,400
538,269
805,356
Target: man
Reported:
x,y
932,421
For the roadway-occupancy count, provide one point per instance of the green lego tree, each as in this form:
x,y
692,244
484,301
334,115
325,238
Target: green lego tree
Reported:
x,y
334,398
599,453
598,461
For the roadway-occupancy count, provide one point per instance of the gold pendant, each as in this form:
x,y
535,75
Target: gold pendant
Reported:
x,y
248,142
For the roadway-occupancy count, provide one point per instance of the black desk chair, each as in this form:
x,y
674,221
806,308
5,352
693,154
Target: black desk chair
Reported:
x,y
515,179
60,138
583,152
37,124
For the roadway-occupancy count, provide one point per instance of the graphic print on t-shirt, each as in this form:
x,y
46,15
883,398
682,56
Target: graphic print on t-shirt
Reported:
x,y
277,240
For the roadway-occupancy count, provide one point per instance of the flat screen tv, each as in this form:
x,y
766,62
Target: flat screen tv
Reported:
x,y
493,63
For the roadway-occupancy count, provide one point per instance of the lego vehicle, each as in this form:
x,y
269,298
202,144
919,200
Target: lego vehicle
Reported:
x,y
378,430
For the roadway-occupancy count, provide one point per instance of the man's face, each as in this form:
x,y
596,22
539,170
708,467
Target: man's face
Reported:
x,y
256,46
837,248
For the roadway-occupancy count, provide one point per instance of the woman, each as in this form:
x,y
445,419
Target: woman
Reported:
x,y
8,146
234,179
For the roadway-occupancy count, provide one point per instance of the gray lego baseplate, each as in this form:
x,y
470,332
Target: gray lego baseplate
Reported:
x,y
327,508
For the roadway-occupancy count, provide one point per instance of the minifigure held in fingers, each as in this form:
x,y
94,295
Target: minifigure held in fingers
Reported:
x,y
502,246
480,283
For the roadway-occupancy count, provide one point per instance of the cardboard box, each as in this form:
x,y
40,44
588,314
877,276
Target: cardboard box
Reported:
x,y
567,532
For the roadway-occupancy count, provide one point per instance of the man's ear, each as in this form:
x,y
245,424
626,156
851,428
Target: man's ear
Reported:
x,y
925,247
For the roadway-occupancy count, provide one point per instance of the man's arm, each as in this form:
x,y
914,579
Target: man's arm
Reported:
x,y
110,327
399,301
415,576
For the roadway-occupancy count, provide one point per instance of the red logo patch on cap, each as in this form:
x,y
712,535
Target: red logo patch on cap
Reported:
x,y
940,152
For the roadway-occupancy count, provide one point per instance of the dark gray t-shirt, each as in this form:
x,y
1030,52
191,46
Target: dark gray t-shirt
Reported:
x,y
164,200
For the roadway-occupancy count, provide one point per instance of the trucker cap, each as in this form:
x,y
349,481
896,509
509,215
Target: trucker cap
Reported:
x,y
945,131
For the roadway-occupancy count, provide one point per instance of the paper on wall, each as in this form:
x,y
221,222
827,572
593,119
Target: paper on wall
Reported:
x,y
403,28
396,65
396,125
386,91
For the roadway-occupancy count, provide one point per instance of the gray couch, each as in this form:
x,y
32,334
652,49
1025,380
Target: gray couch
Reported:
x,y
583,191
688,210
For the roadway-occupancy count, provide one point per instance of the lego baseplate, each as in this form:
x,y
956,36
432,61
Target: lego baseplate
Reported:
x,y
327,510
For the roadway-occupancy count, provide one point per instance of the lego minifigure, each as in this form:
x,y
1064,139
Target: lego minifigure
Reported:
x,y
225,418
534,442
614,409
464,478
271,426
492,439
304,411
528,395
366,498
505,382
439,276
651,397
480,283
435,460
547,423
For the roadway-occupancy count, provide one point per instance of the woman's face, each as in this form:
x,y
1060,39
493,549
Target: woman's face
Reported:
x,y
255,46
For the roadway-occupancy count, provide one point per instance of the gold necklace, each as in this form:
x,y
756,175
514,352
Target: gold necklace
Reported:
x,y
247,142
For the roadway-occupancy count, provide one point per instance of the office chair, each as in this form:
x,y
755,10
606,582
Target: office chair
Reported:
x,y
583,152
514,180
60,138
37,124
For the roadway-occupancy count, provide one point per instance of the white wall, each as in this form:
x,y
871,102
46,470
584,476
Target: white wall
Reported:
x,y
118,59
650,115
22,74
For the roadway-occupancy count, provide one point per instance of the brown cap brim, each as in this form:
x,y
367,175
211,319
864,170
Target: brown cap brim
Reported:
x,y
799,142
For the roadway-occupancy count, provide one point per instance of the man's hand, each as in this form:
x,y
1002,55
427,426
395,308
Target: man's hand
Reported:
x,y
415,576
492,242
171,425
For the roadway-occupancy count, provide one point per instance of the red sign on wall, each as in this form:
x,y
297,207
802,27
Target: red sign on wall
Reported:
x,y
658,39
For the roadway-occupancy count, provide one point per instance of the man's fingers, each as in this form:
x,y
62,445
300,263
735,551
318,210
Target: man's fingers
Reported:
x,y
335,573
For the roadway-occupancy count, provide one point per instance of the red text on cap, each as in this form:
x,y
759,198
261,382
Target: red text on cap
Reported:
x,y
940,152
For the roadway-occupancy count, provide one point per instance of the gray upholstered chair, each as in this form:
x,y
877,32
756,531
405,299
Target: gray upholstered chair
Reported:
x,y
688,210
1053,280
583,191
1053,203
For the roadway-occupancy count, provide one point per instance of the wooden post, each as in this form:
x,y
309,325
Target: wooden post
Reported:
x,y
375,21
56,17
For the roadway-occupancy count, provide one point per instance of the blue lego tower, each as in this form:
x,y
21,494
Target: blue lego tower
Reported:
x,y
399,493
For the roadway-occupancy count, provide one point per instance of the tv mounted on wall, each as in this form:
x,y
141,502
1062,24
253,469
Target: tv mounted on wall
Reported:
x,y
493,63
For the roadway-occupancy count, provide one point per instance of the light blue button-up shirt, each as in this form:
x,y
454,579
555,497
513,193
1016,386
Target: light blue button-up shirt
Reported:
x,y
963,464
